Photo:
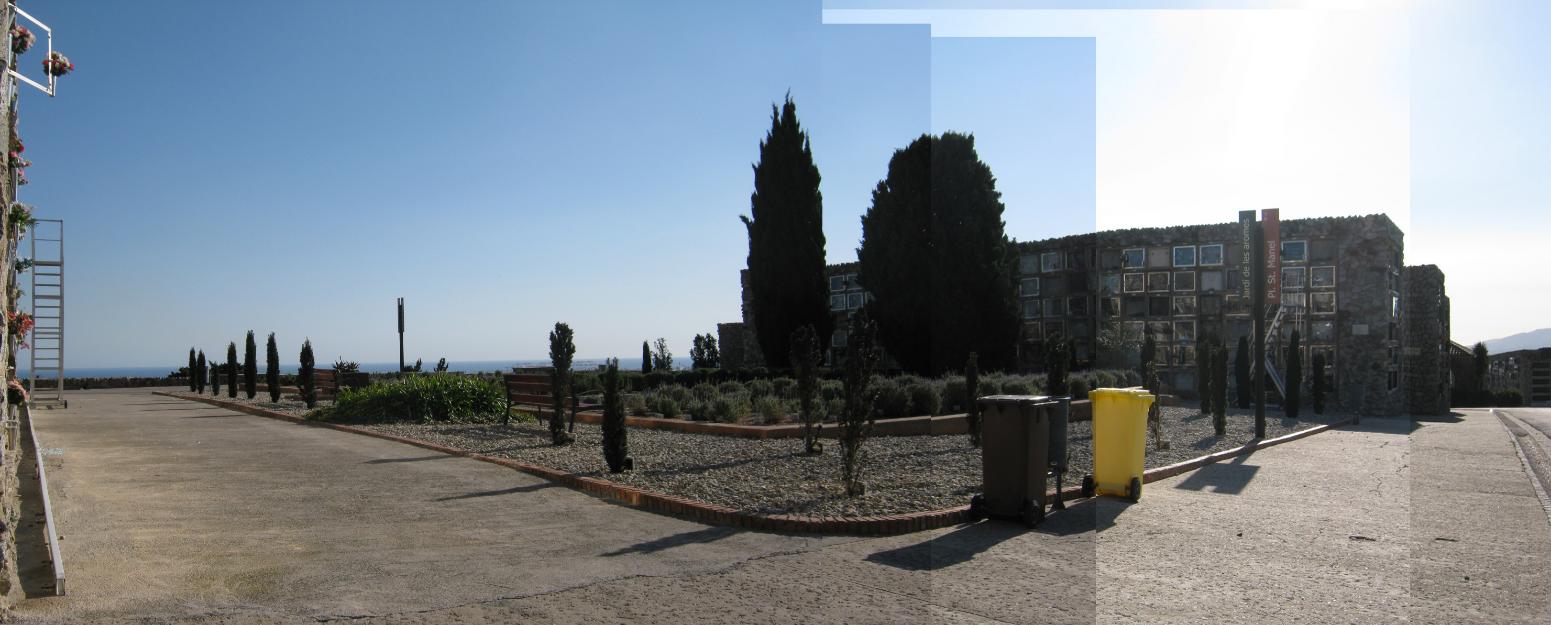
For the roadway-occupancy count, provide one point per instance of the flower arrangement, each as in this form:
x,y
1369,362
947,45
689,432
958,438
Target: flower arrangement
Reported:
x,y
16,143
22,39
19,325
20,218
16,161
23,264
21,177
57,64
15,393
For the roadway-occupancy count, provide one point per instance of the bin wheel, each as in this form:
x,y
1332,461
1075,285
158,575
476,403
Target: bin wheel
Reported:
x,y
1134,490
977,508
1087,486
1033,513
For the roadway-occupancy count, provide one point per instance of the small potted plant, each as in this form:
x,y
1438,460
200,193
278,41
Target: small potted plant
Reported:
x,y
21,39
57,64
20,218
21,177
16,161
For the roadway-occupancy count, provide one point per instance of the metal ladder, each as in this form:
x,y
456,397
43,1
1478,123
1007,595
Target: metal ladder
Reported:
x,y
46,375
1282,312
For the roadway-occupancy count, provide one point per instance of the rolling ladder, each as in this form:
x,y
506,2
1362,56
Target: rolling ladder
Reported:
x,y
1285,313
46,375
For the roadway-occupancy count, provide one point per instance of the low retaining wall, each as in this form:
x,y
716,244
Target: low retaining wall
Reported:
x,y
713,514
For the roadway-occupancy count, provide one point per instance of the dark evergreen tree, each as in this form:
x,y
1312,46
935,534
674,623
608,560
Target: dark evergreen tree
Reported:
x,y
1204,374
1319,383
193,372
562,349
1481,363
971,396
786,239
231,370
662,357
1058,359
272,368
1294,378
713,354
616,444
215,378
856,419
1245,386
305,379
805,359
201,374
935,257
646,357
441,365
250,367
697,353
1220,388
1149,354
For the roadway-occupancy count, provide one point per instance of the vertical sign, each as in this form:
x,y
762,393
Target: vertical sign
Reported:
x,y
401,335
1273,227
1247,255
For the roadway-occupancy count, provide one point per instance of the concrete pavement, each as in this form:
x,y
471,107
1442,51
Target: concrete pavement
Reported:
x,y
176,512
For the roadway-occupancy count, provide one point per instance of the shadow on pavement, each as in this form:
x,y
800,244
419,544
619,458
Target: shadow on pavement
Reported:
x,y
1221,478
964,543
414,459
496,493
707,535
214,416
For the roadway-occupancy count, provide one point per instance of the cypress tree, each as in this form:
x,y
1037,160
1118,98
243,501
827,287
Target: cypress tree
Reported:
x,y
250,367
805,361
231,370
786,278
616,444
1319,384
971,395
646,357
1220,388
562,349
200,374
193,374
1294,376
215,379
272,368
936,258
856,420
1149,354
304,375
1246,392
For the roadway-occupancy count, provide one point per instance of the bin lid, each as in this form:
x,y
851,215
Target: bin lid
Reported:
x,y
1016,400
1135,392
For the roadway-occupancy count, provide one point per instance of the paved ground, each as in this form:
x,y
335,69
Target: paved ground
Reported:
x,y
177,512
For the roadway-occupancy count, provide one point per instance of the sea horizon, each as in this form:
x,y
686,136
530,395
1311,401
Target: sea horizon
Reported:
x,y
459,366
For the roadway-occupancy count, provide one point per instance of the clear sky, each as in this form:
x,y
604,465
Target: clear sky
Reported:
x,y
294,167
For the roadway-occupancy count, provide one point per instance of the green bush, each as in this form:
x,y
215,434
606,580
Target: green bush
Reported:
x,y
1078,387
769,410
955,395
635,404
784,387
1016,387
924,399
667,407
833,408
435,397
657,378
674,392
1103,379
731,388
699,410
704,392
760,388
728,408
893,400
831,390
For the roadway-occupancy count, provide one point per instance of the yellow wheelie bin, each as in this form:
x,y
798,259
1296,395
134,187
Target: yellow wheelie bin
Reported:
x,y
1119,442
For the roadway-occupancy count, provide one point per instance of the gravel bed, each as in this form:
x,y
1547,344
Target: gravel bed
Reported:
x,y
288,404
902,473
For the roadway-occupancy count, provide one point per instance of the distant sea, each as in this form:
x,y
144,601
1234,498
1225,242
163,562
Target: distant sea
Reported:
x,y
464,366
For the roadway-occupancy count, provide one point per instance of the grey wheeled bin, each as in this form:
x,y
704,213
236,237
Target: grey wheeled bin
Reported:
x,y
1015,446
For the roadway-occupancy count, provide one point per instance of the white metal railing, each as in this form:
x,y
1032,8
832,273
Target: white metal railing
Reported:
x,y
51,531
48,36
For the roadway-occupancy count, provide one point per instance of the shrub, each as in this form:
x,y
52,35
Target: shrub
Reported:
x,y
699,410
731,388
857,417
831,390
667,407
760,388
892,399
833,409
925,399
634,403
955,394
1016,387
971,393
770,410
728,408
805,358
435,397
704,391
658,378
1079,388
1104,379
674,392
784,387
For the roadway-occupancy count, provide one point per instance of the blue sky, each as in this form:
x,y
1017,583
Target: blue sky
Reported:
x,y
294,167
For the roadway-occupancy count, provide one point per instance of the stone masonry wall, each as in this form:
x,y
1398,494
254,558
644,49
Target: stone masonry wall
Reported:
x,y
1425,350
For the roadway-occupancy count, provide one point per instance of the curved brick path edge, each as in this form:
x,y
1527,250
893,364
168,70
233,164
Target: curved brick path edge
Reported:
x,y
721,515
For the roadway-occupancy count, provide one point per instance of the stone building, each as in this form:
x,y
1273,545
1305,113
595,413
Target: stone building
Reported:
x,y
845,296
1527,370
1343,280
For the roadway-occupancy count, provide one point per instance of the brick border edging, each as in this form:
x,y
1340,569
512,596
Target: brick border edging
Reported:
x,y
712,514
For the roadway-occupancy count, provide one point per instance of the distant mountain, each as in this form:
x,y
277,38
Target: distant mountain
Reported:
x,y
1534,339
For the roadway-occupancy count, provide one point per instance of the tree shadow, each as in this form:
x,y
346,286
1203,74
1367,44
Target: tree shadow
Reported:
x,y
707,535
496,493
1223,478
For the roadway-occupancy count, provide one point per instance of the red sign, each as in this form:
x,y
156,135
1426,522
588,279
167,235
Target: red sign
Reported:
x,y
1269,218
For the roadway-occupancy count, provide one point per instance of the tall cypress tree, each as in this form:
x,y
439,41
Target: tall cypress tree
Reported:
x,y
272,368
616,442
231,370
304,375
1246,393
646,357
200,374
193,374
250,367
215,379
562,349
935,256
786,239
